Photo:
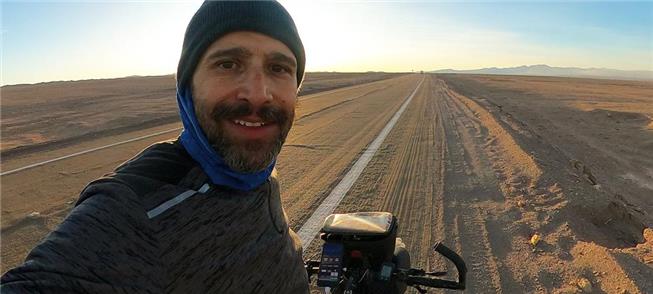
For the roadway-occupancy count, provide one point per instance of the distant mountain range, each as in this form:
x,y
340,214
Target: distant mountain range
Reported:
x,y
545,70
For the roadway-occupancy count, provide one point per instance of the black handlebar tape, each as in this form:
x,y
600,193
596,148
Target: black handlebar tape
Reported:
x,y
457,261
434,283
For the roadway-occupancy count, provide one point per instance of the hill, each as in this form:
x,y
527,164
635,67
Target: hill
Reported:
x,y
545,70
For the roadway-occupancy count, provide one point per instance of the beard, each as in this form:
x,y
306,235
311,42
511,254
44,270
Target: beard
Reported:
x,y
244,155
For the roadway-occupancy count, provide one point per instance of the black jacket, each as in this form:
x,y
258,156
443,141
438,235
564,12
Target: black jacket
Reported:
x,y
155,225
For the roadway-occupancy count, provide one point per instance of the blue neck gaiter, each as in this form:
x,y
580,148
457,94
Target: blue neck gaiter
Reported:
x,y
196,144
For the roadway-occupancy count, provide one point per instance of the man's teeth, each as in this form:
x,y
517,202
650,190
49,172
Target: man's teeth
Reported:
x,y
249,124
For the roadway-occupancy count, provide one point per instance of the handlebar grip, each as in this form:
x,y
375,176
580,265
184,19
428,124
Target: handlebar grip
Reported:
x,y
457,261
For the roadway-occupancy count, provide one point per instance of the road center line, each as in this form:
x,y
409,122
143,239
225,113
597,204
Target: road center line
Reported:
x,y
313,225
86,151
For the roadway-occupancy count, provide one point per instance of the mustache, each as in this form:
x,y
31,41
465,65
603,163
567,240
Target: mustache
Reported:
x,y
269,113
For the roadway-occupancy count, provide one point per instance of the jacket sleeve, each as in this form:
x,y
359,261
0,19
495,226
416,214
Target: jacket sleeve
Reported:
x,y
105,245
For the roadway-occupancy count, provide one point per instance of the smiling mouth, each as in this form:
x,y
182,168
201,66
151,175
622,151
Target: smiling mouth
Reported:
x,y
248,123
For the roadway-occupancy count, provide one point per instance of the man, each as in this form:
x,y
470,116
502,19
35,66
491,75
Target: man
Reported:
x,y
201,214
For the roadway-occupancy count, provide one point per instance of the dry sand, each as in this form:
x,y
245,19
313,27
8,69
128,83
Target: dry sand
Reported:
x,y
37,117
480,162
589,194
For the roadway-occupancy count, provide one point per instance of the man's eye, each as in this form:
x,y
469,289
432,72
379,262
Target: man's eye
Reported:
x,y
227,65
277,68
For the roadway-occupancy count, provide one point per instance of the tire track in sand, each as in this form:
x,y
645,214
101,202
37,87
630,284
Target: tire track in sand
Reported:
x,y
405,178
463,189
476,202
412,196
432,174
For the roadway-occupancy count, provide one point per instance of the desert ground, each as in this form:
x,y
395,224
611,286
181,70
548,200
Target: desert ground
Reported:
x,y
480,162
38,117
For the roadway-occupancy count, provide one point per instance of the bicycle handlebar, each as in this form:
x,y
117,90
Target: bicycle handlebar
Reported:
x,y
439,283
414,277
433,283
456,259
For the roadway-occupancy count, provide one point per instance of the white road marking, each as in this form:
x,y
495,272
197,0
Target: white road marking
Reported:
x,y
86,151
313,225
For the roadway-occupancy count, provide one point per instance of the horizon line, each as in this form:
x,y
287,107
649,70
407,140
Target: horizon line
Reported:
x,y
334,71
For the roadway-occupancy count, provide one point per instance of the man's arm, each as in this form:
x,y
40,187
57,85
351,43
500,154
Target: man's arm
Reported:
x,y
105,245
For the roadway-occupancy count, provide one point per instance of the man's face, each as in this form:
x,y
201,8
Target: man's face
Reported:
x,y
244,93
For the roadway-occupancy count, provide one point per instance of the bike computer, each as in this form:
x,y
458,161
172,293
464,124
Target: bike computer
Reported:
x,y
330,265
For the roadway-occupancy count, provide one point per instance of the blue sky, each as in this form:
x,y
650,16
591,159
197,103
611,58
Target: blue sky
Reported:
x,y
46,41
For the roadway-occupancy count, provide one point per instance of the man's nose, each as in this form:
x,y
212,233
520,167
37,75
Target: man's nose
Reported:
x,y
256,88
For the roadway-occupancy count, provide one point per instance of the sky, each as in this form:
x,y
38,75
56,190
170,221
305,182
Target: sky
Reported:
x,y
44,41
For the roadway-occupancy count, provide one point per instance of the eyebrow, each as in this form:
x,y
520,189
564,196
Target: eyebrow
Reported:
x,y
280,57
244,53
229,52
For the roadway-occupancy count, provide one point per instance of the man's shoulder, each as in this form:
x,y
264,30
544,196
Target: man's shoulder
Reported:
x,y
163,163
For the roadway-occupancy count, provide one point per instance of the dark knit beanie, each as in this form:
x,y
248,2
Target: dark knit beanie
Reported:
x,y
215,19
